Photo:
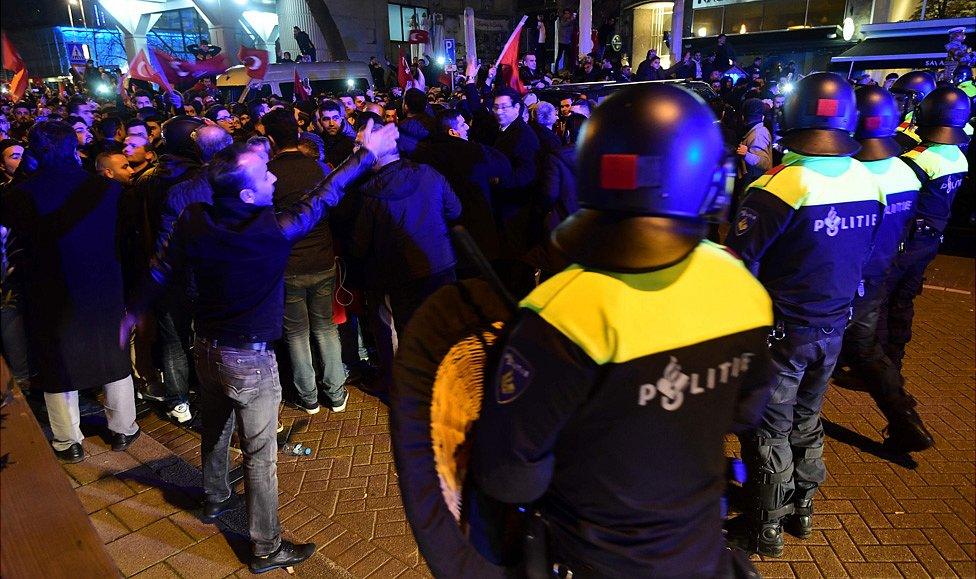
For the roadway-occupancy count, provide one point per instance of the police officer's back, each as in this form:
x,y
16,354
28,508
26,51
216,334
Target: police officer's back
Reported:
x,y
941,166
623,373
863,362
805,229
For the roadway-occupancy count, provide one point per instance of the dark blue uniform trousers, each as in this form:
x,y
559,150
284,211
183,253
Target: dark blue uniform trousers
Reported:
x,y
862,351
903,283
784,455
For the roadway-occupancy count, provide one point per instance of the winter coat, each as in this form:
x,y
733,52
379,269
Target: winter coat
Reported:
x,y
759,158
401,228
66,221
470,169
513,199
557,180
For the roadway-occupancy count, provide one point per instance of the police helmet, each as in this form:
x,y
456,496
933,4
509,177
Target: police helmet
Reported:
x,y
647,152
942,116
820,115
917,83
963,73
877,121
177,139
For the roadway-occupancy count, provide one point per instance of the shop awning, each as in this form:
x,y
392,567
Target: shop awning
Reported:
x,y
925,51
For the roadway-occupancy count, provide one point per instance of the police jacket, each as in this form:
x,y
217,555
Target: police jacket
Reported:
x,y
805,229
238,253
610,404
900,187
941,169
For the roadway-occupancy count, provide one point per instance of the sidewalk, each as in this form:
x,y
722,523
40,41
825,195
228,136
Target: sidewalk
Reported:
x,y
877,515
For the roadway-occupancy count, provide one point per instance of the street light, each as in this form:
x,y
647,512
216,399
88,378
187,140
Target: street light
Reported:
x,y
702,32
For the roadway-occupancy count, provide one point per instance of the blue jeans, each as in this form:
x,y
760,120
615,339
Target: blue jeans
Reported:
x,y
784,455
175,334
308,324
240,387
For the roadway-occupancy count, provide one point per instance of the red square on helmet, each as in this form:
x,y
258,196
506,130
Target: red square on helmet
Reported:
x,y
872,123
618,172
827,107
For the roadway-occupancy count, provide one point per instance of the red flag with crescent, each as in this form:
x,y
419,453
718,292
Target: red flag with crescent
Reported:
x,y
403,71
255,61
301,93
141,68
418,37
15,64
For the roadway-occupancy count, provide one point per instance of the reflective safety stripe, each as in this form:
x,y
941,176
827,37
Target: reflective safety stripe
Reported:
x,y
618,317
820,181
893,176
938,160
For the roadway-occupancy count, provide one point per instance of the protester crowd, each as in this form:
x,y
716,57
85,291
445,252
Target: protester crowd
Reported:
x,y
149,182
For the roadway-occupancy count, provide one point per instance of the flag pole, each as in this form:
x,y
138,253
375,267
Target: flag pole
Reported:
x,y
515,33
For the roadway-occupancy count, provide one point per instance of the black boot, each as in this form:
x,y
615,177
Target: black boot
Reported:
x,y
905,432
770,539
800,524
288,554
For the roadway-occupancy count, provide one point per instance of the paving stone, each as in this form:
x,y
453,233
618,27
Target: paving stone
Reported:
x,y
102,493
144,508
147,546
159,571
872,570
212,557
109,528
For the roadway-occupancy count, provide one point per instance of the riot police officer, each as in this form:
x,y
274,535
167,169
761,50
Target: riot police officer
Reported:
x,y
622,374
909,90
805,229
864,360
941,167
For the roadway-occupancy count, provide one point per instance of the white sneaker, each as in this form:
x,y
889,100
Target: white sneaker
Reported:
x,y
181,413
342,405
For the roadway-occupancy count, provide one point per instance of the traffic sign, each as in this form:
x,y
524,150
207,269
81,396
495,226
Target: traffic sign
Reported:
x,y
450,48
76,52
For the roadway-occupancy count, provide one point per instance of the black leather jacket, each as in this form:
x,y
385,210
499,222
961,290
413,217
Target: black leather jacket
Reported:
x,y
238,253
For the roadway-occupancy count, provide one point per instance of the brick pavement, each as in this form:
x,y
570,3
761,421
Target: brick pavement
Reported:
x,y
877,515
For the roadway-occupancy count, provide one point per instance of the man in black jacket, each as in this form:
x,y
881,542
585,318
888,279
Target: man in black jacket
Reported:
x,y
304,43
309,277
401,238
238,249
514,196
337,135
471,169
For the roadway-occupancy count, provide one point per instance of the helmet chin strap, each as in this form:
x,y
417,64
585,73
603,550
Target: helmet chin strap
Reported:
x,y
715,205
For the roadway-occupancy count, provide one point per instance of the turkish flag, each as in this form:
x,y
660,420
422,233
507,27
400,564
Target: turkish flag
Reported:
x,y
403,71
255,61
300,92
418,37
181,72
15,64
142,69
177,71
508,61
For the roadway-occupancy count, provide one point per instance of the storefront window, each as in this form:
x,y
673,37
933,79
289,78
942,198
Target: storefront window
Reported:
x,y
744,18
651,22
707,22
783,14
826,12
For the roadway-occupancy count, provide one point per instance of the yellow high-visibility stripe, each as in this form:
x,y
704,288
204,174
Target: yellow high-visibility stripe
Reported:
x,y
618,317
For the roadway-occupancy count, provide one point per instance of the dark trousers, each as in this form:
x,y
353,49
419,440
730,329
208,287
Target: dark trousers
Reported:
x,y
904,282
393,309
241,388
783,456
14,341
565,50
862,351
175,334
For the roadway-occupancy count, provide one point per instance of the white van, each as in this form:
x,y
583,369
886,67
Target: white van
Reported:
x,y
328,77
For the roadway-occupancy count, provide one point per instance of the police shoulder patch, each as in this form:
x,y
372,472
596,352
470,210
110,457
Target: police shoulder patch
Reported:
x,y
514,376
744,220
